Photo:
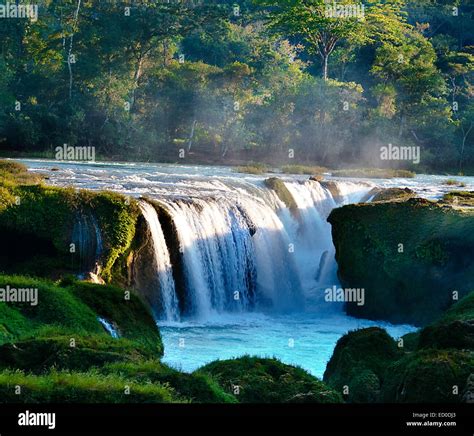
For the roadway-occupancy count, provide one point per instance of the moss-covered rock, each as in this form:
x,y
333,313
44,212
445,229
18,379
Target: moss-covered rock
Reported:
x,y
428,376
358,363
131,318
66,231
197,388
37,335
460,198
408,256
455,329
282,191
256,380
332,187
431,365
393,194
69,352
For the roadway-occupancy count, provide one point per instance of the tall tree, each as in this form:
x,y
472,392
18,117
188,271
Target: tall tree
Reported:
x,y
321,25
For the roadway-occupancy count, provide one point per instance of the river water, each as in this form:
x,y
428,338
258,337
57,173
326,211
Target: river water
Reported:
x,y
255,269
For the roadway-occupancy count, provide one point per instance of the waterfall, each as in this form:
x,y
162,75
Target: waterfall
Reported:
x,y
109,327
241,248
163,263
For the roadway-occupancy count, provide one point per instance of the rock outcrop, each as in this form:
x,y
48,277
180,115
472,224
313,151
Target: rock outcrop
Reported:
x,y
413,257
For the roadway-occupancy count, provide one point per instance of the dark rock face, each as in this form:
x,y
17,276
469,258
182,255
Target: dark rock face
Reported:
x,y
408,256
87,238
142,268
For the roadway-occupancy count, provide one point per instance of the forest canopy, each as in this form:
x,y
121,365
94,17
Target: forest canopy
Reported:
x,y
274,81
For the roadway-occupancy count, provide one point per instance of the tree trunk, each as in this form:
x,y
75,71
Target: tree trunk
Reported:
x,y
463,145
325,66
76,16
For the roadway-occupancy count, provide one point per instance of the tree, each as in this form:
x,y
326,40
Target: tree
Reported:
x,y
321,25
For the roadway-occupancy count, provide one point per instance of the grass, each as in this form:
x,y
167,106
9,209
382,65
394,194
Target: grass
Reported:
x,y
460,198
268,381
374,173
252,168
74,310
77,387
454,182
303,169
200,388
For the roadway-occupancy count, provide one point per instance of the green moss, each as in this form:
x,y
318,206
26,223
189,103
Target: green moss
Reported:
x,y
359,361
198,388
71,352
282,191
460,198
45,217
410,341
56,307
428,376
455,329
117,216
463,310
13,324
393,194
268,381
75,309
71,387
408,257
125,310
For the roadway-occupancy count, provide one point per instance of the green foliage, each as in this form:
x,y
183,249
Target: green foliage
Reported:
x,y
173,78
69,350
268,381
74,387
132,318
198,388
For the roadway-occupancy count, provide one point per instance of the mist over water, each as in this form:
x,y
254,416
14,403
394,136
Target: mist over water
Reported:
x,y
254,270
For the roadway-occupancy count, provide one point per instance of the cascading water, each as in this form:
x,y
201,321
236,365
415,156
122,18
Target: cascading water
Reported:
x,y
245,249
163,263
241,259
